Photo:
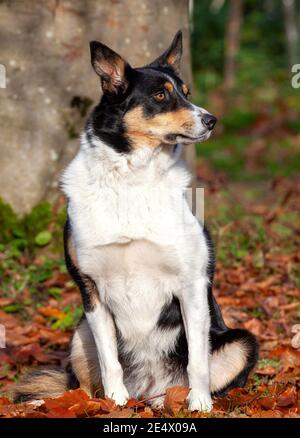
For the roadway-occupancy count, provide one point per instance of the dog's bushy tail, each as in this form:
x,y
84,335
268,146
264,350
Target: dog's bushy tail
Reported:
x,y
234,355
41,384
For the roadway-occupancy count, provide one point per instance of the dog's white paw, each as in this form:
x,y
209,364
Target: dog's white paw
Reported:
x,y
199,401
119,395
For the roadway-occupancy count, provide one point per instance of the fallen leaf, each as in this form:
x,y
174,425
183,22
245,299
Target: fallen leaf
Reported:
x,y
287,398
124,413
269,414
175,399
267,403
52,312
254,325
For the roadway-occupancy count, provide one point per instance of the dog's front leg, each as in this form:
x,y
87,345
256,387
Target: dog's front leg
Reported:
x,y
103,328
195,312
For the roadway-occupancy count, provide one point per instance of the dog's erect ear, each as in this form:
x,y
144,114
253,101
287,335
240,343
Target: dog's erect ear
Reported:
x,y
111,68
172,56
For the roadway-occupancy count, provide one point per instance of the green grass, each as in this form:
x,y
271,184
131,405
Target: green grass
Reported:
x,y
265,362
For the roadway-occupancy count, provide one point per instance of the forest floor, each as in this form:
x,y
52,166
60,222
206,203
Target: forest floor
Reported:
x,y
256,228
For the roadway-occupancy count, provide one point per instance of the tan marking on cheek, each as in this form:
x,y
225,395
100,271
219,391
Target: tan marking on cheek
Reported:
x,y
168,86
185,89
138,129
145,131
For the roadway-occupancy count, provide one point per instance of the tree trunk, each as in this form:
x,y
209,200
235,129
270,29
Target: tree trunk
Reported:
x,y
50,83
291,31
232,42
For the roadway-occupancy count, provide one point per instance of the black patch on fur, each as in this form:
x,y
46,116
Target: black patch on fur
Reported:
x,y
72,381
80,279
170,316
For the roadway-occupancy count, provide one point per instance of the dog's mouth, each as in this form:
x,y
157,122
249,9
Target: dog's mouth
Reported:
x,y
186,139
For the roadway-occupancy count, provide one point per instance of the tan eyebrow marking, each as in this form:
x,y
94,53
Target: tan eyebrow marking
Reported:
x,y
185,89
169,86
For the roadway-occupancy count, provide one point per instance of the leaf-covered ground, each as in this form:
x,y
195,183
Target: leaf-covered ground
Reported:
x,y
256,229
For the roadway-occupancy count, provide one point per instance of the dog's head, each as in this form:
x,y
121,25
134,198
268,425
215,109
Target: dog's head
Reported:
x,y
148,106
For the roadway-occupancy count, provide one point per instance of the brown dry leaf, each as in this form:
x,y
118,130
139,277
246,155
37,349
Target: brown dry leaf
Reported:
x,y
288,377
24,354
254,325
12,410
267,403
107,404
288,356
67,400
5,301
146,413
132,402
4,401
124,413
175,399
60,412
269,414
85,408
59,279
287,398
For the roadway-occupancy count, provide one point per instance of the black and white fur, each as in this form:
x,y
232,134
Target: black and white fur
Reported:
x,y
143,263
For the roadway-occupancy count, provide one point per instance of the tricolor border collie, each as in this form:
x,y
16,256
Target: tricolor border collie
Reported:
x,y
143,262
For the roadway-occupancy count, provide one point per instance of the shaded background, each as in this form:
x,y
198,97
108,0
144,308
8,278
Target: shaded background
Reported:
x,y
238,58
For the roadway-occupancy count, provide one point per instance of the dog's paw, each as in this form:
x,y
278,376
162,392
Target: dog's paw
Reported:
x,y
199,401
119,395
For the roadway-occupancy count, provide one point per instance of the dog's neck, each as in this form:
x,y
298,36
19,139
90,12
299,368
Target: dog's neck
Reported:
x,y
144,165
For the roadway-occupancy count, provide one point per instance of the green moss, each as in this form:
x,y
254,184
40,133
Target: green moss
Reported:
x,y
10,226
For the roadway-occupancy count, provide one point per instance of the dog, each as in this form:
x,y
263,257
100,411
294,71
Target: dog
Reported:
x,y
143,262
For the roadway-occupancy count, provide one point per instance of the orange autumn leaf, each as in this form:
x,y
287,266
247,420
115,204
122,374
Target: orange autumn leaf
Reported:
x,y
85,408
124,413
146,413
267,403
107,404
4,401
175,399
132,402
67,400
52,312
269,414
61,412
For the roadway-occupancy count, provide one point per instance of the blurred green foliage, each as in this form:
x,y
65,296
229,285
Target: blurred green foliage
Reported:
x,y
262,92
263,47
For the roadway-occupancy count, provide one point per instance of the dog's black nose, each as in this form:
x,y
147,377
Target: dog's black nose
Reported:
x,y
209,121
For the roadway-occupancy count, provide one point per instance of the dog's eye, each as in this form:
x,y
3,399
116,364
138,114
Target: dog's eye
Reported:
x,y
159,97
